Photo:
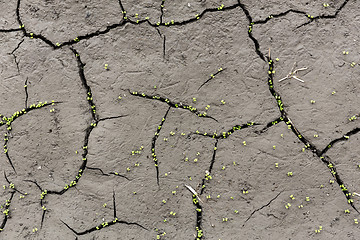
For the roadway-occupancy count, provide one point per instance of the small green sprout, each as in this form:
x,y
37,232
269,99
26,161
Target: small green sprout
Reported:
x,y
345,52
307,199
333,92
223,102
318,230
194,99
326,4
312,101
289,174
288,205
356,221
106,66
276,165
347,211
244,142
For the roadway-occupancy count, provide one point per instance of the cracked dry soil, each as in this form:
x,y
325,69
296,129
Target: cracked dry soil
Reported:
x,y
114,114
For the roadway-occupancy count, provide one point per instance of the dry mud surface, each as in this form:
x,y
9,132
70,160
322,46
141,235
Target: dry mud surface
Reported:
x,y
115,113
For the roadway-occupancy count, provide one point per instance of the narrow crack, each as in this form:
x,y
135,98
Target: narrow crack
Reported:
x,y
113,117
208,173
10,30
162,10
42,200
258,209
199,217
278,15
173,104
341,139
270,124
226,134
323,16
26,92
105,224
12,185
255,41
164,42
89,98
196,18
211,77
153,145
15,58
6,211
107,174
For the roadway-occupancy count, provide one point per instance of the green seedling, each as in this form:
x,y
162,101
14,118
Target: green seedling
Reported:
x,y
318,230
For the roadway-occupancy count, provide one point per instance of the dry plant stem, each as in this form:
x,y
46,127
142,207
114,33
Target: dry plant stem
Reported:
x,y
292,73
193,192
